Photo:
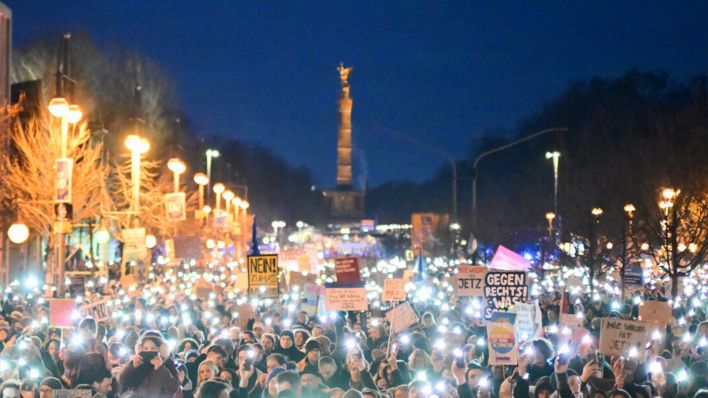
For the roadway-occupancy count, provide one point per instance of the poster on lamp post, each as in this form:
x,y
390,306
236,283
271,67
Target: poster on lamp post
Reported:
x,y
62,192
263,276
134,248
175,206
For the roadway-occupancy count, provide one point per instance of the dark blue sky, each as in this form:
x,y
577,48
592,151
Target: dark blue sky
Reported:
x,y
440,71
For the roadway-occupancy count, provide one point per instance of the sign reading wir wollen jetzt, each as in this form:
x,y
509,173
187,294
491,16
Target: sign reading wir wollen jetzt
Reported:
x,y
263,275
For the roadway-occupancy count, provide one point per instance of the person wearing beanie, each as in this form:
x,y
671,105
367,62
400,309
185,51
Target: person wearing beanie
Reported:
x,y
313,351
270,387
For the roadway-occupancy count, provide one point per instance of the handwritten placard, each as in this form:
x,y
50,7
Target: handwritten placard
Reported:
x,y
346,297
347,269
97,310
503,289
401,317
655,311
529,322
469,282
263,275
394,290
619,337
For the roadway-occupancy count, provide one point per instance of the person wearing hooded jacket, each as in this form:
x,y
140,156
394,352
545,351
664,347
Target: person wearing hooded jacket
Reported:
x,y
287,347
149,379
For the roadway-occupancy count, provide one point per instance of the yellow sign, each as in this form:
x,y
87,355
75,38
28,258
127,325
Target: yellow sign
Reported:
x,y
263,275
62,227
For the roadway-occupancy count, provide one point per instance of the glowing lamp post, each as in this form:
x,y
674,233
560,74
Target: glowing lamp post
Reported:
x,y
219,188
18,233
177,167
201,179
137,146
228,196
210,154
550,216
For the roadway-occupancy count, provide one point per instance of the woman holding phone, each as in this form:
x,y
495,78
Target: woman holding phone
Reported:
x,y
146,375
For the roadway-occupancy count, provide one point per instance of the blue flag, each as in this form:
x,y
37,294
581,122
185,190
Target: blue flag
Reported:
x,y
255,251
420,265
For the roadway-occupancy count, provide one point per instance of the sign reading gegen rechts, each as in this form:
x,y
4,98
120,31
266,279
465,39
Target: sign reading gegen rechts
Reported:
x,y
263,275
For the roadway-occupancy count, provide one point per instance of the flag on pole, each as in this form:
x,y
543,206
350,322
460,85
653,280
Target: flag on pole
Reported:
x,y
420,265
254,240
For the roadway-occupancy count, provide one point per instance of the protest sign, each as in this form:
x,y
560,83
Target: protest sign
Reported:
x,y
469,281
97,310
263,275
299,279
501,339
509,260
503,289
73,393
401,317
347,269
64,169
61,312
134,248
632,280
618,337
655,311
529,322
310,297
571,327
394,290
346,297
175,206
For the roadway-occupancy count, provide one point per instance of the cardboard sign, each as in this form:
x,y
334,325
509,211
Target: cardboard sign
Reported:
x,y
263,276
97,310
134,248
310,298
62,192
73,393
347,269
175,206
574,325
401,317
346,297
529,321
469,282
61,312
394,290
501,339
618,337
509,260
655,311
503,289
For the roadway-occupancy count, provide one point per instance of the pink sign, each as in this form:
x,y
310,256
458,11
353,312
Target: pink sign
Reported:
x,y
509,260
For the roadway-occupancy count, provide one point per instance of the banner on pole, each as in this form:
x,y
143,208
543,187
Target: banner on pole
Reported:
x,y
263,275
175,206
62,192
503,289
401,317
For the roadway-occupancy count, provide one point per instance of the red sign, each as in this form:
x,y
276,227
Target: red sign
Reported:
x,y
60,312
347,269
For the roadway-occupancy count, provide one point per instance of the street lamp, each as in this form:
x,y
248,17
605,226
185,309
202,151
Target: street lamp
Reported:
x,y
58,107
150,241
210,154
550,216
201,179
74,114
219,188
555,155
228,195
137,146
177,167
18,233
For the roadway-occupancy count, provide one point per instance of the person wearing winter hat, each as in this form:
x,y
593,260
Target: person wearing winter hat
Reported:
x,y
48,385
287,347
313,351
146,375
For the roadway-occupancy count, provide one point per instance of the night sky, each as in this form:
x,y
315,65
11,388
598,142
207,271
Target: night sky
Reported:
x,y
442,72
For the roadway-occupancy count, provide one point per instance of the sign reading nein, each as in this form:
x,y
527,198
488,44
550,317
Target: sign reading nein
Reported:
x,y
263,275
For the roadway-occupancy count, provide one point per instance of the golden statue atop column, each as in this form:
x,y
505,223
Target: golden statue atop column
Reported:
x,y
347,203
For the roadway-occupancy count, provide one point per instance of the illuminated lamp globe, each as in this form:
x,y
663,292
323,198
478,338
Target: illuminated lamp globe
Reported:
x,y
102,236
550,216
596,211
201,179
176,166
58,106
74,114
244,205
210,244
137,144
150,241
236,201
228,195
219,188
18,233
206,209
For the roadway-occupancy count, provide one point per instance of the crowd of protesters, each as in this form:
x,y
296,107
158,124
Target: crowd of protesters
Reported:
x,y
184,346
